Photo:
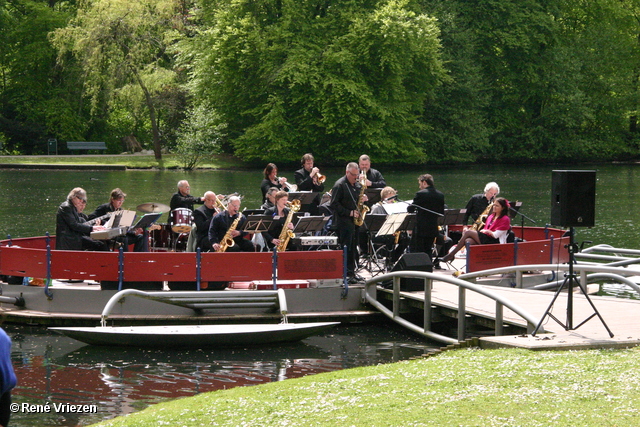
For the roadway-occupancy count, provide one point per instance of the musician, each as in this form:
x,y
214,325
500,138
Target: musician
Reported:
x,y
479,202
221,223
344,203
202,218
496,229
307,179
183,198
386,196
280,212
116,200
271,198
73,227
374,177
426,199
271,180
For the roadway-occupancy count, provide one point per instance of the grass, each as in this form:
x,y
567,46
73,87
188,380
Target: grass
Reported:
x,y
467,387
133,161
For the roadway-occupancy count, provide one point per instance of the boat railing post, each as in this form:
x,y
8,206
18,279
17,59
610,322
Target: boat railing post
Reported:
x,y
427,304
462,309
515,252
274,267
467,247
345,282
120,267
546,231
198,265
499,319
551,250
47,282
396,297
10,241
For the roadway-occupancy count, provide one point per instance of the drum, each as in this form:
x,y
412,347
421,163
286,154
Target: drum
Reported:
x,y
160,240
181,220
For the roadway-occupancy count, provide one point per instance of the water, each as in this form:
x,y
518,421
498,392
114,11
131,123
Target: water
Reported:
x,y
52,368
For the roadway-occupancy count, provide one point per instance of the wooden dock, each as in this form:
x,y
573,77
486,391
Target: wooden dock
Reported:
x,y
622,316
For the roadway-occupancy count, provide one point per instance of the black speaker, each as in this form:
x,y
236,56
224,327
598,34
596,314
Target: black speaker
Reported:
x,y
415,261
573,198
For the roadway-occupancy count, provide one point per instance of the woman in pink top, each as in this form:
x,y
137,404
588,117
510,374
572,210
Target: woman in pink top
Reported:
x,y
495,229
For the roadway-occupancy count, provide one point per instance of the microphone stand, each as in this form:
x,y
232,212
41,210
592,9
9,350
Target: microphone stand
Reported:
x,y
523,218
419,207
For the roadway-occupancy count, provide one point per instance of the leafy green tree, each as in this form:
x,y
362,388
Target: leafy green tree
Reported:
x,y
120,43
336,78
199,137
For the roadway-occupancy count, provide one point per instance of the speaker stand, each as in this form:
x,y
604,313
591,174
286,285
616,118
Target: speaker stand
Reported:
x,y
569,281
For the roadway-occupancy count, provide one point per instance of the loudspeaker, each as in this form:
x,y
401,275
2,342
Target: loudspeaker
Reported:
x,y
416,261
573,198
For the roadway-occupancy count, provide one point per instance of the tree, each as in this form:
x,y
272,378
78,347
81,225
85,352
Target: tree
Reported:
x,y
120,43
336,78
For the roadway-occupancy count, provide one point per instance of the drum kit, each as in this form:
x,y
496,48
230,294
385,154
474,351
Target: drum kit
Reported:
x,y
162,238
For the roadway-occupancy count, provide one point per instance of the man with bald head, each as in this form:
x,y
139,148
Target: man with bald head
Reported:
x,y
202,218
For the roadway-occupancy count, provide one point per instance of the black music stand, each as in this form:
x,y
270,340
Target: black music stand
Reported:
x,y
373,195
373,223
310,224
305,197
258,223
451,217
251,212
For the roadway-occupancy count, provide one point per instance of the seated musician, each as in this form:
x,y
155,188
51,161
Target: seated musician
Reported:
x,y
271,198
280,212
183,198
202,218
73,227
496,229
478,202
308,178
271,180
221,224
115,204
386,196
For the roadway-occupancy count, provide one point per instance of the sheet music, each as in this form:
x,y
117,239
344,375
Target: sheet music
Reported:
x,y
399,207
122,218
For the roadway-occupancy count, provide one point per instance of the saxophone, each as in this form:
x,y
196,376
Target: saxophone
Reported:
x,y
362,208
482,218
227,240
286,234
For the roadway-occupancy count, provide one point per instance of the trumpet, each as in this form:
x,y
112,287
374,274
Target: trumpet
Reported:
x,y
290,187
321,178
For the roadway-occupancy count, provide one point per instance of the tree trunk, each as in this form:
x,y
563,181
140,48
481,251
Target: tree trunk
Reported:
x,y
152,116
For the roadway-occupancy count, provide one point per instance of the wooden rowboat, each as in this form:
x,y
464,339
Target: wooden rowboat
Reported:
x,y
195,335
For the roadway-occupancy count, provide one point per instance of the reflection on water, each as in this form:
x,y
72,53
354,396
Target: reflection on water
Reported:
x,y
53,368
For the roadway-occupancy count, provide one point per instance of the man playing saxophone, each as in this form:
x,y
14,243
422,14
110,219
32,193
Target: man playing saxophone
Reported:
x,y
222,222
345,197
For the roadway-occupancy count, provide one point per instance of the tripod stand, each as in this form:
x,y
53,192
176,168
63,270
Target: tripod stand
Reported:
x,y
569,282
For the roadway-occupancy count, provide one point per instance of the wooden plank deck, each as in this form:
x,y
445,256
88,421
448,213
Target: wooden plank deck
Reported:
x,y
622,316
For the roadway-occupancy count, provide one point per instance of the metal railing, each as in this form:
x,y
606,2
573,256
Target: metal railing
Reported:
x,y
370,292
205,300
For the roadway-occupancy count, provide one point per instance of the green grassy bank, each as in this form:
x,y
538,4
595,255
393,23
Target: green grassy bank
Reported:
x,y
132,161
467,387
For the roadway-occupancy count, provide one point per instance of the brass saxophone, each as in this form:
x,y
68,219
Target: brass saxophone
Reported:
x,y
227,240
362,208
482,218
286,234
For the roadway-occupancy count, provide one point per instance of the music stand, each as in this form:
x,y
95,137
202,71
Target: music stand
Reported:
x,y
310,224
373,194
251,212
258,223
373,223
305,197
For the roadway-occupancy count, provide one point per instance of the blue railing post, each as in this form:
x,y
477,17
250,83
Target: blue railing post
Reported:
x,y
9,238
198,264
467,246
120,267
345,282
47,281
274,267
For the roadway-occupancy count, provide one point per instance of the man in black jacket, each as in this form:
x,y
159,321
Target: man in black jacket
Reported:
x,y
344,203
307,180
202,218
73,227
427,203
